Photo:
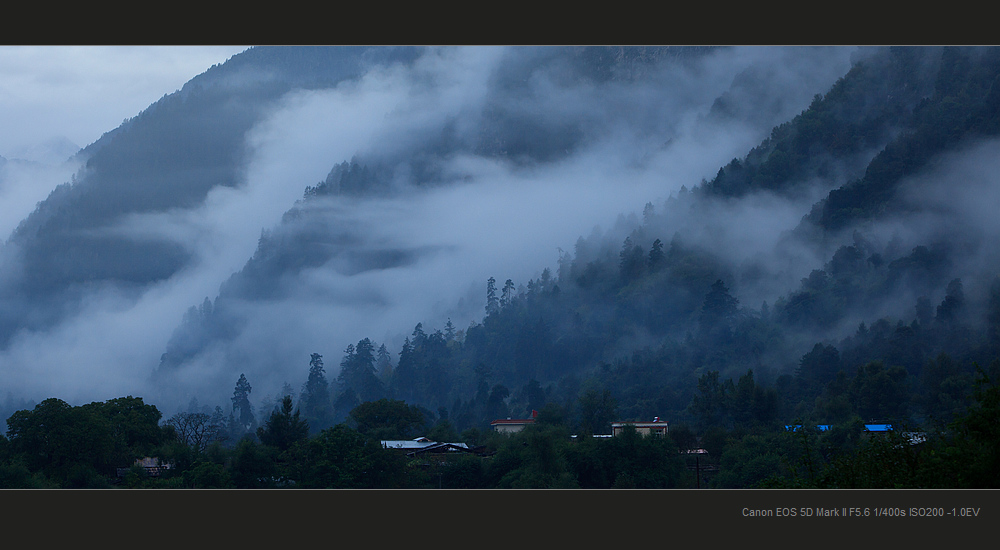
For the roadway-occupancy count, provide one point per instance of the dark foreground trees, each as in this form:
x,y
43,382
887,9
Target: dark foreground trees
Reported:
x,y
284,428
82,446
62,446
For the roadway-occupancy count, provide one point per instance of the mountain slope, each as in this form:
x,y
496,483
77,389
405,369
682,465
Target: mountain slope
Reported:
x,y
360,247
170,156
650,307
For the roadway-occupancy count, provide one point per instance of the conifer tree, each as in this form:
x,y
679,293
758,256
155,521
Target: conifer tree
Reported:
x,y
383,364
244,421
507,294
357,371
655,254
316,396
492,303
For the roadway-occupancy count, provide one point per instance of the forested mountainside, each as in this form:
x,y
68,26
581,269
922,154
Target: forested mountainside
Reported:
x,y
176,197
738,273
415,200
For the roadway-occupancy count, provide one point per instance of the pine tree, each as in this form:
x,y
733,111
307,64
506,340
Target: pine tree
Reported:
x,y
404,380
492,304
717,312
419,336
655,254
630,266
383,364
245,421
507,294
316,396
357,371
283,428
953,301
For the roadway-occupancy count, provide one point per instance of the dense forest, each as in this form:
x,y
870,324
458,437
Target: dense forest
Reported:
x,y
98,445
767,348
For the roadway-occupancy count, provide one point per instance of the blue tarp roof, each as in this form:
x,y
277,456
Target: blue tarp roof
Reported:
x,y
878,427
820,427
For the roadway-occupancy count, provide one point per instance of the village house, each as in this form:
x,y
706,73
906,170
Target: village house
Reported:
x,y
797,427
513,425
878,428
421,445
656,427
914,438
153,467
870,430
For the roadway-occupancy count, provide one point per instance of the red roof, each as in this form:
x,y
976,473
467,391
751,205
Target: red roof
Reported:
x,y
656,424
513,421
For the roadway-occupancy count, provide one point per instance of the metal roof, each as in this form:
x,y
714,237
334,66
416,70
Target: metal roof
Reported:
x,y
878,427
795,428
513,421
653,424
417,444
405,444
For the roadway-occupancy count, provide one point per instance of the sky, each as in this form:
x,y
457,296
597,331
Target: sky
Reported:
x,y
80,92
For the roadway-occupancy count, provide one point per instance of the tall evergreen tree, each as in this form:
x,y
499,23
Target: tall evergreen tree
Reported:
x,y
357,371
283,428
383,364
404,378
631,263
246,423
952,304
656,255
492,302
507,294
717,312
315,398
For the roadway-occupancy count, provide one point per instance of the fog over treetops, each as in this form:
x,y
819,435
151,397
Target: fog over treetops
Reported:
x,y
298,200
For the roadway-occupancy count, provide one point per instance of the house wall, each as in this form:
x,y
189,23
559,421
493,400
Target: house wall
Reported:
x,y
660,429
508,428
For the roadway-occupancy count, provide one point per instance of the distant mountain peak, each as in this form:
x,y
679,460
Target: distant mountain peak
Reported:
x,y
52,151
